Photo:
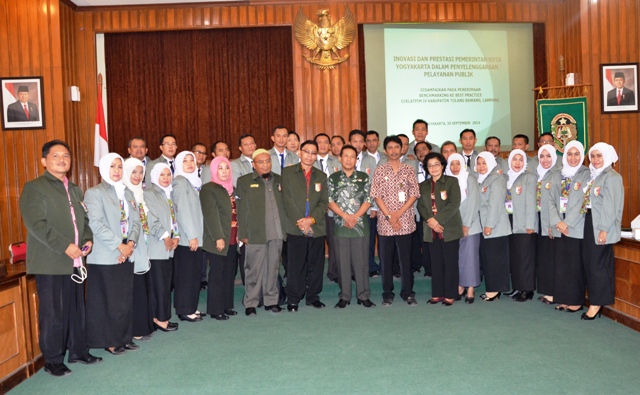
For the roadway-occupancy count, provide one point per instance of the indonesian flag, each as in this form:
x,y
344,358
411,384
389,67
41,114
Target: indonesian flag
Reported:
x,y
101,147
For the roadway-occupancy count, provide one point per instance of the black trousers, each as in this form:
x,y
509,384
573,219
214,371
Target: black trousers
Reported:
x,y
61,317
221,276
240,263
402,245
142,321
569,284
305,268
332,269
444,268
598,267
187,276
494,255
160,288
420,257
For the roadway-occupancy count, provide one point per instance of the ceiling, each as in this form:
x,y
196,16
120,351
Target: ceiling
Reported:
x,y
94,3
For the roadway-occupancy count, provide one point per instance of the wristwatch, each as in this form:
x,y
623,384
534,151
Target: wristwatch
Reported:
x,y
388,217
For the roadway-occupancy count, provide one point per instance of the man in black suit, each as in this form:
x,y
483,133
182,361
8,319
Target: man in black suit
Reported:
x,y
620,96
22,110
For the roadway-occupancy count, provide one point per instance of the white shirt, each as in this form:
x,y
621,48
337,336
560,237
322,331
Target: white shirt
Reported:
x,y
376,156
325,164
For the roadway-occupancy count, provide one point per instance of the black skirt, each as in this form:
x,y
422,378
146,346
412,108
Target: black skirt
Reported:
x,y
546,263
494,254
522,261
569,283
221,278
142,317
187,278
160,288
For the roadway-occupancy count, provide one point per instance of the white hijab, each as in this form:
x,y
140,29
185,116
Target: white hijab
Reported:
x,y
491,164
193,178
155,177
569,171
463,175
129,166
554,158
104,165
608,154
513,175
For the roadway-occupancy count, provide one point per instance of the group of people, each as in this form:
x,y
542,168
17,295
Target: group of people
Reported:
x,y
153,227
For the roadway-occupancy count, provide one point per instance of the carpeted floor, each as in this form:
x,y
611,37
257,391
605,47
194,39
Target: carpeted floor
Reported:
x,y
502,347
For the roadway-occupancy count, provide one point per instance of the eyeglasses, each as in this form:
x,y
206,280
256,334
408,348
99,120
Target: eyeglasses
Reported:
x,y
309,152
170,144
434,165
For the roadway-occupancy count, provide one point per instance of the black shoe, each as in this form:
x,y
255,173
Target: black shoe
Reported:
x,y
374,274
411,301
317,304
201,314
116,350
469,299
189,319
173,324
250,311
342,304
387,302
512,293
131,346
57,369
366,303
585,317
169,328
203,285
464,291
220,317
488,299
273,308
292,307
230,312
86,360
523,296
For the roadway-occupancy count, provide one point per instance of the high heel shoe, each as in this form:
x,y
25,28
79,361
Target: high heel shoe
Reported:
x,y
585,317
461,295
523,296
485,298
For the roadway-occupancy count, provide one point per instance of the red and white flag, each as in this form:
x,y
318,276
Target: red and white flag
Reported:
x,y
101,146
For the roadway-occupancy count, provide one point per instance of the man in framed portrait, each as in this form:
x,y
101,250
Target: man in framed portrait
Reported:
x,y
22,110
619,95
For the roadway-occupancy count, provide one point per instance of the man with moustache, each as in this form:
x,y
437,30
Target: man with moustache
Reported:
x,y
492,144
138,149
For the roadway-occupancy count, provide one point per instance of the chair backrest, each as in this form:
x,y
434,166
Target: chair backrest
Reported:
x,y
18,252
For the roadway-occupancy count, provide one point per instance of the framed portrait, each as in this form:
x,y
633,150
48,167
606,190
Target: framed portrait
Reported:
x,y
22,106
619,87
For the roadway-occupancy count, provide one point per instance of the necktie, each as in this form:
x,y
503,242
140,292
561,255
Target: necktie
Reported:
x,y
171,166
619,99
199,171
358,164
322,166
468,161
281,162
26,110
421,175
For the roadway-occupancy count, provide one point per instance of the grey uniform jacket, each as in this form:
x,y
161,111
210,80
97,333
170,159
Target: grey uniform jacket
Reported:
x,y
141,262
333,164
159,220
572,217
103,208
472,168
470,207
607,202
205,174
546,188
186,203
525,214
239,168
368,164
289,159
147,170
493,192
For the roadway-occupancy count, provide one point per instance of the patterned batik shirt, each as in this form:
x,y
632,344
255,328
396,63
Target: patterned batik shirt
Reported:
x,y
390,187
350,193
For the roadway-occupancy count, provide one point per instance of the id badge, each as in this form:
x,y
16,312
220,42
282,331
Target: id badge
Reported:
x,y
509,207
123,228
563,204
402,196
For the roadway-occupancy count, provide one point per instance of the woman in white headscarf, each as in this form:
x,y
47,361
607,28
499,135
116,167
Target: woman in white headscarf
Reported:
x,y
142,319
494,246
187,272
469,253
548,235
115,222
162,241
604,201
520,204
566,215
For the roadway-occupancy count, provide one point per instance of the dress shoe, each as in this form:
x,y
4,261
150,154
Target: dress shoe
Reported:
x,y
201,314
190,319
512,293
131,346
374,274
86,360
461,295
169,328
387,302
273,308
317,304
568,310
230,312
116,350
485,298
469,299
586,317
447,303
250,311
203,285
366,303
523,296
435,300
342,304
57,369
411,301
292,307
220,317
173,324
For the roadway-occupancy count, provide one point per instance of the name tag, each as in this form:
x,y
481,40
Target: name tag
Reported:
x,y
402,196
563,204
255,186
509,207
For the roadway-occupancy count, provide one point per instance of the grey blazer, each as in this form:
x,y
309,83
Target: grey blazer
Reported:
x,y
525,214
147,170
607,203
141,262
205,174
572,216
104,214
291,158
239,168
333,165
502,165
546,190
472,168
159,219
493,192
470,207
186,203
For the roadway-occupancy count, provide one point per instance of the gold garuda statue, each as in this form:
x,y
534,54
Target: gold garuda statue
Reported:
x,y
325,40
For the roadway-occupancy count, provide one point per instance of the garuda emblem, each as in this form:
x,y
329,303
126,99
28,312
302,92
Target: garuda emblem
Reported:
x,y
564,129
325,40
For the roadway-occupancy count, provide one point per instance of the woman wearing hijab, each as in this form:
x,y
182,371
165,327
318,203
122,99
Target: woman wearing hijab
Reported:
x,y
142,318
494,246
162,241
469,254
115,222
566,214
520,204
187,272
220,237
439,207
548,235
604,201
